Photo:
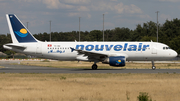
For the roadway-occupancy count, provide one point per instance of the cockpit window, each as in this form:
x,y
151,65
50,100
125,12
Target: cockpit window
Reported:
x,y
165,48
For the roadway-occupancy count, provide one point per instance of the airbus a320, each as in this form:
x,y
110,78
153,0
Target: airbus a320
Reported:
x,y
112,53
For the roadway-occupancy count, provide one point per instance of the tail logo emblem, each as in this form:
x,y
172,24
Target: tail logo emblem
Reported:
x,y
22,33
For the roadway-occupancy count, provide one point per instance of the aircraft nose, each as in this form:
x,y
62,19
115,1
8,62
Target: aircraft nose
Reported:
x,y
175,54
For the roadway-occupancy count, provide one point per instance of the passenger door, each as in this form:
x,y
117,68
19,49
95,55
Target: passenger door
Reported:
x,y
38,48
154,48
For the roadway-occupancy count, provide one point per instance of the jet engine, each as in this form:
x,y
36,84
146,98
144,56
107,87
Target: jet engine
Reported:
x,y
117,61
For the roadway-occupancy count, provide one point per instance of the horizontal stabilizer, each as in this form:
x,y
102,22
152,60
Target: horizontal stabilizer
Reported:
x,y
16,46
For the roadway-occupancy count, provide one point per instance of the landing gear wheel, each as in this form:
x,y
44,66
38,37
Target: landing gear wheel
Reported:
x,y
153,67
94,67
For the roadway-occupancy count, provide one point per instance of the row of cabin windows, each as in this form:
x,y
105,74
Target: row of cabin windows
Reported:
x,y
100,48
58,48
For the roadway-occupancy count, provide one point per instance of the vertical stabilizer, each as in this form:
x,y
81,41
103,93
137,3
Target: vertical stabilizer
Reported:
x,y
19,33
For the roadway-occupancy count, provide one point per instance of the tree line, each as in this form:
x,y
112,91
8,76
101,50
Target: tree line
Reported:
x,y
169,33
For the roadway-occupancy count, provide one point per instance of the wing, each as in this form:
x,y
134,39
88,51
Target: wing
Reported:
x,y
94,56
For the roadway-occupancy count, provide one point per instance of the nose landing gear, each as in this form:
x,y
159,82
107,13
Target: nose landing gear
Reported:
x,y
153,67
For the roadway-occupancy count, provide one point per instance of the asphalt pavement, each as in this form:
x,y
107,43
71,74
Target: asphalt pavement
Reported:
x,y
8,68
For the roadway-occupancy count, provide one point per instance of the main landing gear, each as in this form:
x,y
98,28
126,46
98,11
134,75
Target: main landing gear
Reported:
x,y
153,67
94,66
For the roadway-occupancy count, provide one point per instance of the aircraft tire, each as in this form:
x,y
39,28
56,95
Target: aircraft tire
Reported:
x,y
94,67
153,67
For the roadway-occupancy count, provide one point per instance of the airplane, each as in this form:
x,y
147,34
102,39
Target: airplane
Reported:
x,y
113,53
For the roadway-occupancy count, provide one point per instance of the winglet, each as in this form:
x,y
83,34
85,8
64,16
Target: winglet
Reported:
x,y
72,49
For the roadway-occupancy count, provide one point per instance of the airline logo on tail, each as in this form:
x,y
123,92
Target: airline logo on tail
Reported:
x,y
20,31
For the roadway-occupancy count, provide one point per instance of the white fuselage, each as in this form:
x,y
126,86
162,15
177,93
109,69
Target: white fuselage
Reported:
x,y
133,51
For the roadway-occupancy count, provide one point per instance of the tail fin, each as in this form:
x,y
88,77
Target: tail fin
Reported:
x,y
19,33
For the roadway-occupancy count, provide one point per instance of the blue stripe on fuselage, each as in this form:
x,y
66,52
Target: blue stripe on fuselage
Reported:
x,y
117,47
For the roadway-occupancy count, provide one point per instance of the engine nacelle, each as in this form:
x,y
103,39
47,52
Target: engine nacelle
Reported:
x,y
118,61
